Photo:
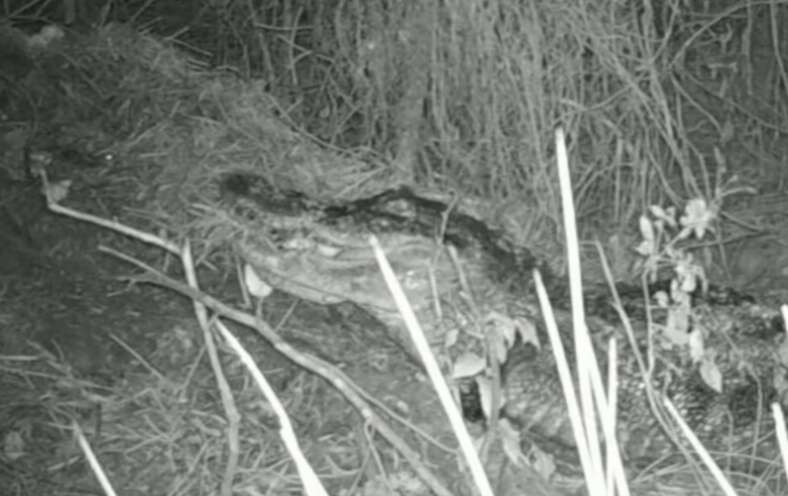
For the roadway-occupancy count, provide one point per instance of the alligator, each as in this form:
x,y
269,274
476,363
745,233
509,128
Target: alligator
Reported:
x,y
318,250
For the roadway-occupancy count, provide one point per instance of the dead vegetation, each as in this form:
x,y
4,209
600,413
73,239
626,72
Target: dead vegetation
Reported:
x,y
341,100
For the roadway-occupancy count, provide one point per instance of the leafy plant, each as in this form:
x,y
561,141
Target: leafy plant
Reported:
x,y
663,233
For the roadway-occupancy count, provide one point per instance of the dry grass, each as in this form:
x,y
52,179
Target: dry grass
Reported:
x,y
466,96
462,99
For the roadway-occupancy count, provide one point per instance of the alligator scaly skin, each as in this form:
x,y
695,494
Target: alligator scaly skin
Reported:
x,y
742,336
743,339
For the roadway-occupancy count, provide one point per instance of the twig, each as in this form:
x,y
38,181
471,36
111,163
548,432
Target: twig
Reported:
x,y
115,226
95,466
312,485
228,401
131,351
